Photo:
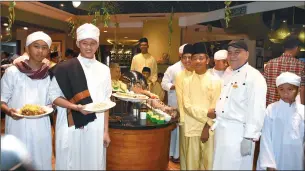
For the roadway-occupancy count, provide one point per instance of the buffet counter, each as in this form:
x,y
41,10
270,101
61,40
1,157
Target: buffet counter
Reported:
x,y
138,144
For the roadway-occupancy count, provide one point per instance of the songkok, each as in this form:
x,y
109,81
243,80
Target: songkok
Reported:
x,y
199,48
221,55
144,39
87,31
146,69
240,44
291,42
288,77
181,48
188,48
38,35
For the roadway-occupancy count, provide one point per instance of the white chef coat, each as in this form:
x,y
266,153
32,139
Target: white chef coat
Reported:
x,y
82,149
17,90
240,113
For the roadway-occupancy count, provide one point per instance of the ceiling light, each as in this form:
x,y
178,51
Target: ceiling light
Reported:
x,y
25,28
125,37
105,31
7,29
76,3
62,5
5,24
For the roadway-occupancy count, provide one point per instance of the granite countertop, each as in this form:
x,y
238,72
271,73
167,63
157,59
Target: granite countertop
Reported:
x,y
129,122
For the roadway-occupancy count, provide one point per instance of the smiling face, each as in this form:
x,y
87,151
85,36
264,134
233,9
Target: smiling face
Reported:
x,y
200,62
144,47
38,50
186,60
88,48
287,92
237,57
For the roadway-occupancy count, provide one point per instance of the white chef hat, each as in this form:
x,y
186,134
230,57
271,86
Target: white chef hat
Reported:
x,y
221,55
87,31
38,35
288,77
181,48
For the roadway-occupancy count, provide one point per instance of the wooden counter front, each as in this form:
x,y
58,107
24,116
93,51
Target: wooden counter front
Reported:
x,y
146,149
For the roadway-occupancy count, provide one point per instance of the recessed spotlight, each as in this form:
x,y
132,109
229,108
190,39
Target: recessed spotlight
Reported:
x,y
125,37
76,4
105,31
25,28
5,24
284,21
62,5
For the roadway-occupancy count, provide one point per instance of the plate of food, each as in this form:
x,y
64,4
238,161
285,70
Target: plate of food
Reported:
x,y
130,96
32,111
99,107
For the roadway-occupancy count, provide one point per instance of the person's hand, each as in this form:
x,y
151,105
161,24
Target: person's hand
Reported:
x,y
246,147
12,113
106,139
205,134
173,87
211,113
80,108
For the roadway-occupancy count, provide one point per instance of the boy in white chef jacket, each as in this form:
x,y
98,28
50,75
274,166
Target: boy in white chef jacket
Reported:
x,y
282,140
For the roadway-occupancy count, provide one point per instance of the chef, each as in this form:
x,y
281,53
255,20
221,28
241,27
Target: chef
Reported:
x,y
240,112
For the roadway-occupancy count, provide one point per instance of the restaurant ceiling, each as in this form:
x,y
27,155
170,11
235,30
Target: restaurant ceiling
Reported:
x,y
129,7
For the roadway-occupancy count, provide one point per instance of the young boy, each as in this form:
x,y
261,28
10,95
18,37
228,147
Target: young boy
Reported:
x,y
27,82
154,88
281,145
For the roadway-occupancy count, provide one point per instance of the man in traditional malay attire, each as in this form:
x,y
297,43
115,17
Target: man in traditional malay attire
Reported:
x,y
154,88
220,59
80,135
145,59
24,83
282,140
168,84
200,93
240,112
187,52
117,84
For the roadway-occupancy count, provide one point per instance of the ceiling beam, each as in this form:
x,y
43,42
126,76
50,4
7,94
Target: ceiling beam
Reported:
x,y
253,7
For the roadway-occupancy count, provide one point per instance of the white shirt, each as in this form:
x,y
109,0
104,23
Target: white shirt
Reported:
x,y
169,80
243,99
281,145
216,73
82,149
17,90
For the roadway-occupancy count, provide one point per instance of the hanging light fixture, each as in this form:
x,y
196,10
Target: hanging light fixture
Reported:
x,y
76,4
302,34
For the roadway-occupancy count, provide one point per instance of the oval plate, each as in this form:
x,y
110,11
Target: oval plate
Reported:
x,y
130,99
104,106
48,110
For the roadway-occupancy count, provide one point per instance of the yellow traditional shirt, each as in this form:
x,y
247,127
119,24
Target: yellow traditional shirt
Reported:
x,y
140,61
118,85
200,93
157,90
179,87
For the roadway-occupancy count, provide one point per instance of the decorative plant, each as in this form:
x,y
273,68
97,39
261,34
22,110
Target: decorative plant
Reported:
x,y
73,23
227,12
170,30
11,19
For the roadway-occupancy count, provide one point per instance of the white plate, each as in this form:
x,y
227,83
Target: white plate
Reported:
x,y
48,110
130,99
106,105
